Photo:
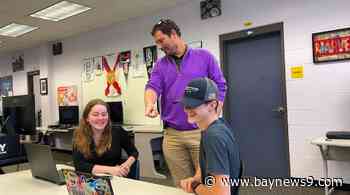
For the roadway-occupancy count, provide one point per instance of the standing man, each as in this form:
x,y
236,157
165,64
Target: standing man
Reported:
x,y
168,81
219,159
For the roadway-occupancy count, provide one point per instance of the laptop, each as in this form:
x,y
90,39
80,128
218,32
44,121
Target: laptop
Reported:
x,y
79,183
42,164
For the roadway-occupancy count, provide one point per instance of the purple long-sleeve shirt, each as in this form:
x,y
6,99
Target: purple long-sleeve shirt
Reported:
x,y
169,83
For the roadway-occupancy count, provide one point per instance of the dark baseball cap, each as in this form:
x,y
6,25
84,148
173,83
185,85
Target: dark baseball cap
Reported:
x,y
198,92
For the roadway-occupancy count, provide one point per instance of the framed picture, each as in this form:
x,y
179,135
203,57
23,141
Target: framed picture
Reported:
x,y
150,57
331,45
17,63
6,86
43,86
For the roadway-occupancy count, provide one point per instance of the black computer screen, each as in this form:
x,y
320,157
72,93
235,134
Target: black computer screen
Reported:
x,y
68,115
19,114
116,112
16,119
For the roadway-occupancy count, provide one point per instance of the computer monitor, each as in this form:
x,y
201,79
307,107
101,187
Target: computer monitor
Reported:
x,y
68,115
19,114
116,112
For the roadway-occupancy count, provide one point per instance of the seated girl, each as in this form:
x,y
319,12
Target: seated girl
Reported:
x,y
97,148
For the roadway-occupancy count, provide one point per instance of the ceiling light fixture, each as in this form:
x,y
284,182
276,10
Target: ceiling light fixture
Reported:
x,y
60,11
15,30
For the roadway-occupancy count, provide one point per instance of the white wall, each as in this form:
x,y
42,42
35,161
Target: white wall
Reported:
x,y
38,58
317,103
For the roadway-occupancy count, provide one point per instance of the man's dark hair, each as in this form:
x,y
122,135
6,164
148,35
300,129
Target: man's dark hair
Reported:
x,y
166,26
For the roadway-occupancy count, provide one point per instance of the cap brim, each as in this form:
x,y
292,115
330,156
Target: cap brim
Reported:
x,y
191,102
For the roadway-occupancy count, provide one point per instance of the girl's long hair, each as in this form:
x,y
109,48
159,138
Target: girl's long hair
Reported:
x,y
83,135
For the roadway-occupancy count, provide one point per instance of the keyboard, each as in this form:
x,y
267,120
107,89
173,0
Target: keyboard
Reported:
x,y
59,130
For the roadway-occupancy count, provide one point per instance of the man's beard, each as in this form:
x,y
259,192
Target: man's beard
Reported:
x,y
169,51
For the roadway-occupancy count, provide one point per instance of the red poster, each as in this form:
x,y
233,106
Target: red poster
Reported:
x,y
331,45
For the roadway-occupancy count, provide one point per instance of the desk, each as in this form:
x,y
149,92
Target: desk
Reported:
x,y
143,136
23,183
332,149
61,138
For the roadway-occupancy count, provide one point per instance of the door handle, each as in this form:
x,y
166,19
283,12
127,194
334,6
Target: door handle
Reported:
x,y
279,109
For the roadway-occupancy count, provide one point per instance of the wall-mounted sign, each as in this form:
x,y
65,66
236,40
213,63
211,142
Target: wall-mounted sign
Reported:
x,y
297,72
331,45
124,62
112,79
